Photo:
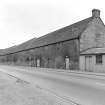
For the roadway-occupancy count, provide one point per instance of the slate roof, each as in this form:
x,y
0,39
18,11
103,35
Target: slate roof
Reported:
x,y
17,48
93,51
66,33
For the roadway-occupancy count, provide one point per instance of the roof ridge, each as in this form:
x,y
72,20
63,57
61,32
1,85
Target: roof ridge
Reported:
x,y
65,27
65,33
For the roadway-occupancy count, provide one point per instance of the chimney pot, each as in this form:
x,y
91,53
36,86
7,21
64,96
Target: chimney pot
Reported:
x,y
96,13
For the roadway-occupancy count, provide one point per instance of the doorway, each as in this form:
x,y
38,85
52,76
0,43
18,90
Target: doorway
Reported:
x,y
88,63
67,62
38,63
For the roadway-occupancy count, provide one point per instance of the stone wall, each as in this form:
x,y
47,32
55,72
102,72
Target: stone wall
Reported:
x,y
50,56
94,35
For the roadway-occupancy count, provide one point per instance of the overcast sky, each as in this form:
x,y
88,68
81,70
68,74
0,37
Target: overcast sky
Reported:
x,y
21,20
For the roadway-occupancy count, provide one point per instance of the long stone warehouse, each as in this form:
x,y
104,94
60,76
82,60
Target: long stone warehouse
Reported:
x,y
80,46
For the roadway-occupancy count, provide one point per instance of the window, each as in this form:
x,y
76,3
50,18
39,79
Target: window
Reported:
x,y
98,59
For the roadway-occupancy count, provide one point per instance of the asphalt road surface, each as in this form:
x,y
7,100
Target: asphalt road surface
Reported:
x,y
79,89
14,91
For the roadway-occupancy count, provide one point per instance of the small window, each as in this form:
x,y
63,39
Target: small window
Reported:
x,y
98,59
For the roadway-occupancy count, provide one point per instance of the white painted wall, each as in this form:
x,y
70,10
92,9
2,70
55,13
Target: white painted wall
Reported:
x,y
82,63
99,67
95,67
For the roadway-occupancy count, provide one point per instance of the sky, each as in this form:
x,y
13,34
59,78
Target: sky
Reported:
x,y
22,20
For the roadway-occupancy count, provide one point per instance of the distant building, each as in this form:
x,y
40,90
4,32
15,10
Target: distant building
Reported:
x,y
77,46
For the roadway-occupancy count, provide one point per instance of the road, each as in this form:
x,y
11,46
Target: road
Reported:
x,y
74,87
14,91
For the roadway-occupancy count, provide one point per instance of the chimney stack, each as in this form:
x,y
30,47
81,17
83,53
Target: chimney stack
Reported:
x,y
96,13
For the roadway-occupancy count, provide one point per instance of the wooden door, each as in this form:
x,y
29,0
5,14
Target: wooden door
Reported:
x,y
88,63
